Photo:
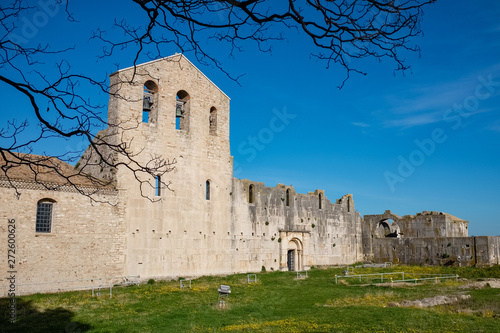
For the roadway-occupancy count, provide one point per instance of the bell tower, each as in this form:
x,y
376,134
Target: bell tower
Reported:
x,y
169,108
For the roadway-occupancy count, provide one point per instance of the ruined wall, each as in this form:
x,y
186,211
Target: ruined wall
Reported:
x,y
425,224
464,251
425,251
87,240
487,250
427,238
433,224
267,224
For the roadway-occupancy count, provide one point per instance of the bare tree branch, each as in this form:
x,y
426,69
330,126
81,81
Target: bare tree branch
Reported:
x,y
339,31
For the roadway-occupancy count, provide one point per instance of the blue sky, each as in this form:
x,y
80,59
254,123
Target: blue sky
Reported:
x,y
427,139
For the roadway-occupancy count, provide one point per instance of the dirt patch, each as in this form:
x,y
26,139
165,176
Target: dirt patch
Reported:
x,y
486,283
430,301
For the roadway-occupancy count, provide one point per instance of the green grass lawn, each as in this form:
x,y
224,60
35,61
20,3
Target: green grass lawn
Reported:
x,y
278,302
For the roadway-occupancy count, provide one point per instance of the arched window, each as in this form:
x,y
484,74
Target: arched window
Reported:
x,y
158,186
182,106
251,194
320,197
207,190
44,210
213,120
149,101
287,199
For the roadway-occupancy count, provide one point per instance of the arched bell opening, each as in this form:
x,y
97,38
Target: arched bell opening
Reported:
x,y
182,108
149,102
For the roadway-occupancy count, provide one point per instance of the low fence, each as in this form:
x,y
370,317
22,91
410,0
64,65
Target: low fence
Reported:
x,y
396,277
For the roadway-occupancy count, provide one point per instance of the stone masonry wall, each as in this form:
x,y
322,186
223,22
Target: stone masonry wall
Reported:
x,y
179,232
425,251
433,224
87,240
425,224
265,227
464,251
487,250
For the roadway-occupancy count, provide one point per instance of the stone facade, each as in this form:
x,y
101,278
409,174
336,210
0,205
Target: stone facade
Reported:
x,y
285,230
85,240
206,221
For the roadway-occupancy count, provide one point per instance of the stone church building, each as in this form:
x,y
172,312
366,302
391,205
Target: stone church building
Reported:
x,y
206,221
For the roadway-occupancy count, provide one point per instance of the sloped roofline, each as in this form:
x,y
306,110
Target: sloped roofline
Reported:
x,y
454,218
44,172
180,55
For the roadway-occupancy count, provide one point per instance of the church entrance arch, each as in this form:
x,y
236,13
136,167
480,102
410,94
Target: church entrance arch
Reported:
x,y
294,255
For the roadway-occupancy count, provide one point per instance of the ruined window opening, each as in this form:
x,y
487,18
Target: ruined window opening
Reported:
x,y
388,228
251,194
157,186
207,190
348,204
212,118
182,105
44,210
287,199
319,200
149,102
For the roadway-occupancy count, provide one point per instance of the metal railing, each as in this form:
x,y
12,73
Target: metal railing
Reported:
x,y
389,277
302,275
251,278
183,283
71,285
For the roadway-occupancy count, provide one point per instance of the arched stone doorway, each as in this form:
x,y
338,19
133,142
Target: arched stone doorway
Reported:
x,y
294,255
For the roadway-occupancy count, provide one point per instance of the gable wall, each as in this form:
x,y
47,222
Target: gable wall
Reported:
x,y
182,234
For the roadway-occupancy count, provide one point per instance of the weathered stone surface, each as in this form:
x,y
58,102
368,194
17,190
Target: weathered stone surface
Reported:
x,y
486,283
86,240
427,238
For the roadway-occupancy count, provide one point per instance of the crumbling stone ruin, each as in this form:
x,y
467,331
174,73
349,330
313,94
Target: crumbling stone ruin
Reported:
x,y
208,222
427,238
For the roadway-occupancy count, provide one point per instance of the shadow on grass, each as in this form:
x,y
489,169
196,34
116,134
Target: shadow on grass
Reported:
x,y
30,319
